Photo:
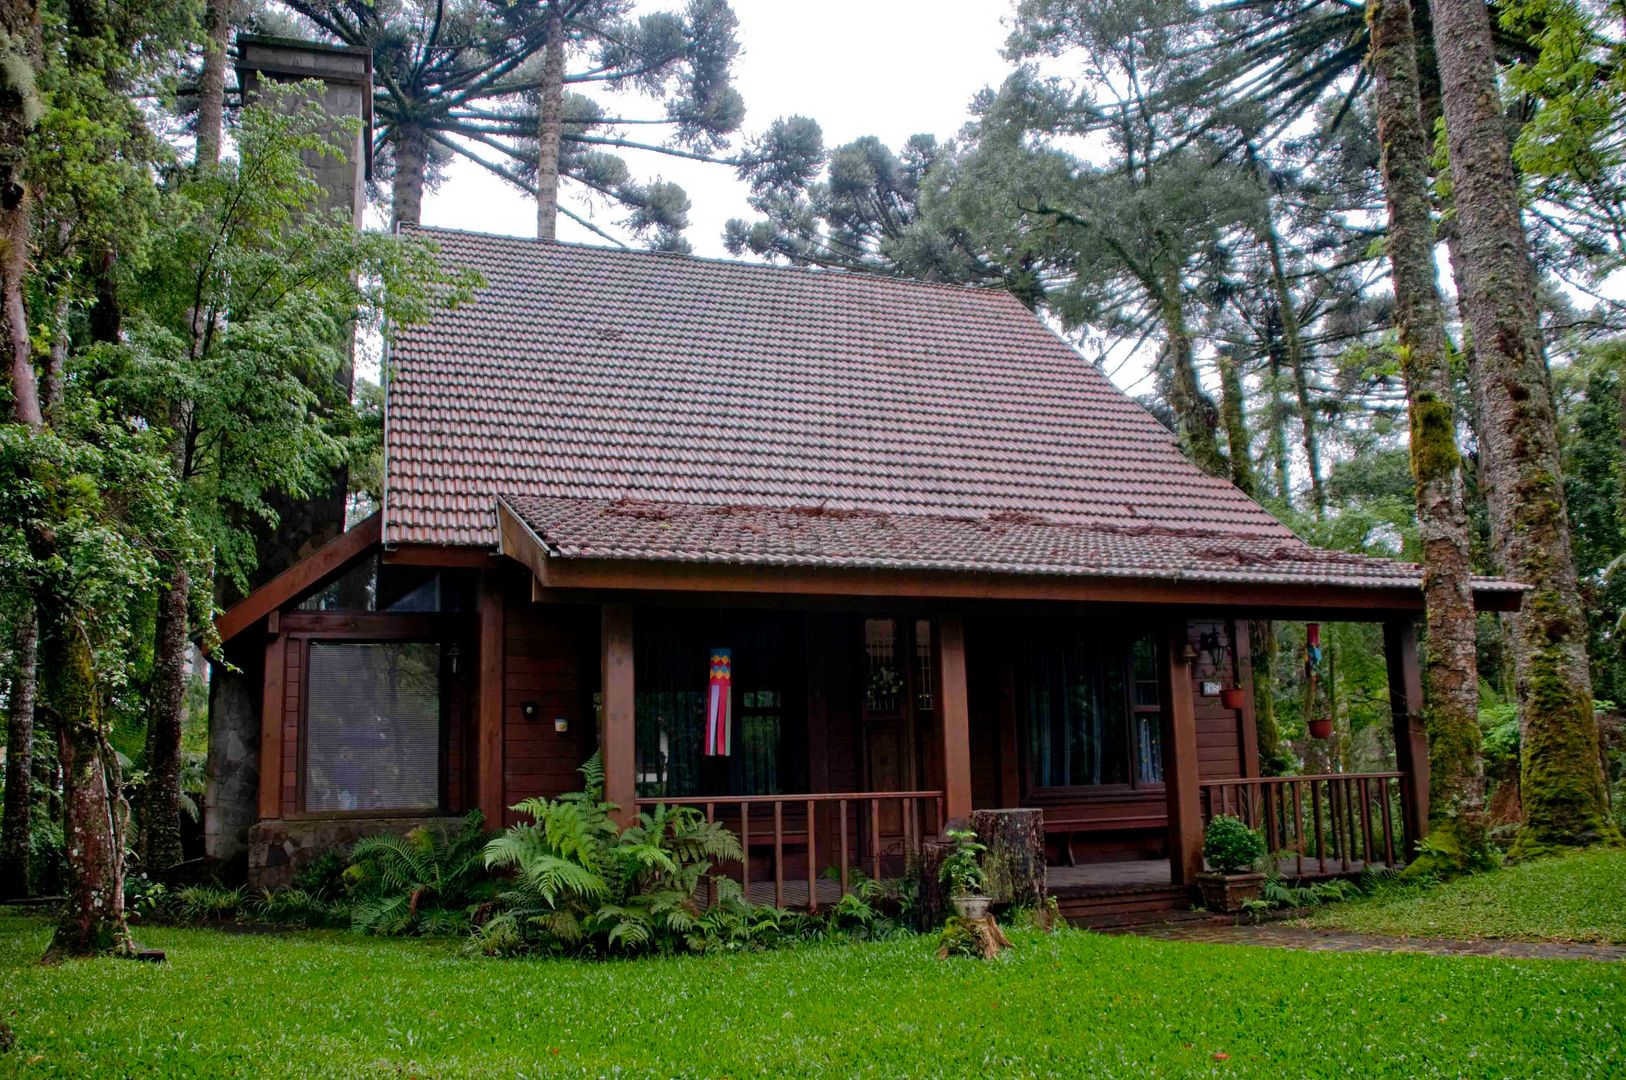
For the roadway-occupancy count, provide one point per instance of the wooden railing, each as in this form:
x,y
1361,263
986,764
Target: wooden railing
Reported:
x,y
873,832
1332,819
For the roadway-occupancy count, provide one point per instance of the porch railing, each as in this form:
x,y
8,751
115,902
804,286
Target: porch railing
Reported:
x,y
867,831
1347,821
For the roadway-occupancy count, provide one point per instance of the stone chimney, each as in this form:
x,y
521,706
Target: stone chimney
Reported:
x,y
231,799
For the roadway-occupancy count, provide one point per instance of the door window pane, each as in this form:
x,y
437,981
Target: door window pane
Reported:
x,y
372,727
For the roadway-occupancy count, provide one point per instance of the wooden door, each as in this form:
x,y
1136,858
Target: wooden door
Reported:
x,y
898,693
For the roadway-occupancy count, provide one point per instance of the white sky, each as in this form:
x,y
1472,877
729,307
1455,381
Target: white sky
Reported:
x,y
889,68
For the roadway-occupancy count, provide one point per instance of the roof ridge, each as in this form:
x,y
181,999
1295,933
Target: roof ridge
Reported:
x,y
823,273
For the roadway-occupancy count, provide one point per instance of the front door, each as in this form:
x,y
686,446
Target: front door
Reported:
x,y
899,698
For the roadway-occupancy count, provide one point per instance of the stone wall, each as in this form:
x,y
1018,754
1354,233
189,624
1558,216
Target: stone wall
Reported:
x,y
279,850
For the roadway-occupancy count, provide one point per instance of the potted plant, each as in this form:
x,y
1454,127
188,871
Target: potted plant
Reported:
x,y
962,873
1231,849
1320,727
1233,697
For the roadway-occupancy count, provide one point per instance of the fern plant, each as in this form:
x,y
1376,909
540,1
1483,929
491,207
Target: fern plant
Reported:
x,y
581,884
429,881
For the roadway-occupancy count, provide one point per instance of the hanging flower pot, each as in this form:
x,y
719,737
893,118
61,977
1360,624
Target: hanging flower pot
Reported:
x,y
1234,697
1320,729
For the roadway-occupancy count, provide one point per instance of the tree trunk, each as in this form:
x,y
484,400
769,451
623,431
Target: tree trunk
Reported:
x,y
411,165
1268,732
1014,862
1562,783
1451,715
217,23
1278,427
161,794
1192,408
550,127
92,919
1233,412
14,832
16,242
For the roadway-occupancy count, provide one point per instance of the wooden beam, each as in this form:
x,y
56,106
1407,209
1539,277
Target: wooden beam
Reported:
x,y
271,699
444,555
304,575
618,736
1411,740
1180,757
955,713
488,785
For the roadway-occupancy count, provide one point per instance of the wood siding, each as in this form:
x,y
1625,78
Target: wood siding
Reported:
x,y
550,658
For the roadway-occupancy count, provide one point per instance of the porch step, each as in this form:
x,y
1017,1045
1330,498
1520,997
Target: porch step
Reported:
x,y
1097,910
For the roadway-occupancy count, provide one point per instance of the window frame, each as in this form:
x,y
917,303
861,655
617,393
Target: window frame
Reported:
x,y
303,628
1037,794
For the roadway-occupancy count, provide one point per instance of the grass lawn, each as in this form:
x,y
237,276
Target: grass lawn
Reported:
x,y
329,1004
1579,897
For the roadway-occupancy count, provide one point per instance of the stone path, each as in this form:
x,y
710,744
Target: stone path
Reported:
x,y
1301,937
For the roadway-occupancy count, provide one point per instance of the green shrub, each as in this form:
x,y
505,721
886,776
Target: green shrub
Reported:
x,y
302,908
145,898
962,868
1230,846
207,903
430,881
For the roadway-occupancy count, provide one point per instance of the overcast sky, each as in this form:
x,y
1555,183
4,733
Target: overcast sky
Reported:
x,y
889,68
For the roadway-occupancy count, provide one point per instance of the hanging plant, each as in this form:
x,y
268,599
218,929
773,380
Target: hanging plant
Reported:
x,y
885,684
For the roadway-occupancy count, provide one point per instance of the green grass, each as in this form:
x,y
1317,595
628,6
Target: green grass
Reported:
x,y
1580,897
329,1004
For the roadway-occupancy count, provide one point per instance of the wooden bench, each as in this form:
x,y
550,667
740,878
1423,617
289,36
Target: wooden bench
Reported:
x,y
1070,823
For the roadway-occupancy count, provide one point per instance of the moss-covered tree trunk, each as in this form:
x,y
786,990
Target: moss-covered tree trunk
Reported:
x,y
1233,411
217,22
1451,711
1192,408
161,793
1267,730
14,830
1562,782
550,127
92,919
1015,860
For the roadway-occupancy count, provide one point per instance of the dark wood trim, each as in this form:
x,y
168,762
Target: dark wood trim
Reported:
x,y
490,707
1242,665
624,574
1411,742
954,713
618,695
451,558
271,699
376,626
1180,756
1010,753
306,574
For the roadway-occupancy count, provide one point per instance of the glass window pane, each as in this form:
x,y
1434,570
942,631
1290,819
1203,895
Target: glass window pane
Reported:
x,y
1073,689
372,727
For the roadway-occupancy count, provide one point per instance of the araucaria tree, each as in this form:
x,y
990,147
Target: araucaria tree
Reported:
x,y
1457,826
1562,781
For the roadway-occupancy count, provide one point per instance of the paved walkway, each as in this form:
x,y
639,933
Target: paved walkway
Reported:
x,y
1300,937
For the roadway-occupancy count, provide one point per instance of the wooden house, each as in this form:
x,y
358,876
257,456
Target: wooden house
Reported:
x,y
952,565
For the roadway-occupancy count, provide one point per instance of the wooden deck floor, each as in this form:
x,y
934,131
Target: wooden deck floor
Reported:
x,y
1151,875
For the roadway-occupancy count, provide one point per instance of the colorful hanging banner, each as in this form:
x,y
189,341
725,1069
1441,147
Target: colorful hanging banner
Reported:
x,y
719,719
1312,648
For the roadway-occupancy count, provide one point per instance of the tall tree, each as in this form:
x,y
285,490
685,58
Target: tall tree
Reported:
x,y
217,25
1456,772
15,831
1562,784
550,126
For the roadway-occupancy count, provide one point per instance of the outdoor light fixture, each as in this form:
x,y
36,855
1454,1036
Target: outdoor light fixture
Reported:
x,y
1211,644
529,709
1188,654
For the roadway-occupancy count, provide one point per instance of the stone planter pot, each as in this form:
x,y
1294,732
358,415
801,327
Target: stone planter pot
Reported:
x,y
970,907
1227,893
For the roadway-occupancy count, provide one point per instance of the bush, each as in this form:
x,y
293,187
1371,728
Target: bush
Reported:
x,y
429,881
207,903
302,908
962,870
1230,846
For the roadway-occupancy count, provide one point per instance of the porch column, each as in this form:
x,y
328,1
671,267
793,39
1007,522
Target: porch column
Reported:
x,y
956,719
1411,741
488,783
616,737
1180,757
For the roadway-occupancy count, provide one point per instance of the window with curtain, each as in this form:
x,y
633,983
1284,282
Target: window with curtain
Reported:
x,y
372,727
1090,704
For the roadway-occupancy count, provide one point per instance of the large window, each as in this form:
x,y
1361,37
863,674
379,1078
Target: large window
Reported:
x,y
671,688
372,727
1089,701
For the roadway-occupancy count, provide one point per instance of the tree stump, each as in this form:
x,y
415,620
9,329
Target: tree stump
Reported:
x,y
1014,862
988,939
932,896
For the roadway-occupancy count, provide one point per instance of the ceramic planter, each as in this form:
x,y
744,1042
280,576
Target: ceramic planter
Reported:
x,y
970,907
1320,729
1234,698
1228,892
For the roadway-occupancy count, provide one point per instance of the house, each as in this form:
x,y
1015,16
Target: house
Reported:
x,y
951,566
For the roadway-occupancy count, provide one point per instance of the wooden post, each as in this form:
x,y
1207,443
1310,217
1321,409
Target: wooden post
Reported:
x,y
1411,741
956,719
617,740
1180,758
271,718
488,785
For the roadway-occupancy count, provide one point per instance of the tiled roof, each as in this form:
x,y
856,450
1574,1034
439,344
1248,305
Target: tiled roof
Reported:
x,y
794,416
1009,543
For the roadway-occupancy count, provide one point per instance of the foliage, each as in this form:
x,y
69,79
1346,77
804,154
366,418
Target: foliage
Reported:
x,y
961,869
1067,1003
144,897
582,885
429,881
1574,897
1230,846
201,903
299,907
959,938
